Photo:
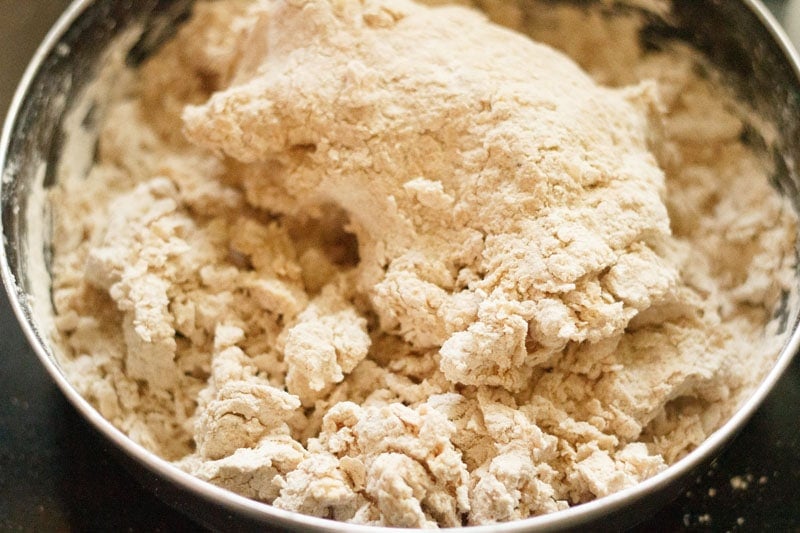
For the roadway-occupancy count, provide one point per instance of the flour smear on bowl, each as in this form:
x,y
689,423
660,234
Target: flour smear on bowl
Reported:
x,y
398,265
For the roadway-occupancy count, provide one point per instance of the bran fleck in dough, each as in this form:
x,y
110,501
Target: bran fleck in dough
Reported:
x,y
397,265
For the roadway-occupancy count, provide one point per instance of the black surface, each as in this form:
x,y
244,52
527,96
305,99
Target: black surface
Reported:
x,y
57,474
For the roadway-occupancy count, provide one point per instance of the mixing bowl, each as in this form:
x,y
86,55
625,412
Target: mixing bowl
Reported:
x,y
739,37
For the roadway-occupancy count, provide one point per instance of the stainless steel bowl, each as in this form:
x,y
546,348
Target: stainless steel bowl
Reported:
x,y
739,37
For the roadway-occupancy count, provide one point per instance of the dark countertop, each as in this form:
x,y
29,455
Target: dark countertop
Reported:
x,y
58,474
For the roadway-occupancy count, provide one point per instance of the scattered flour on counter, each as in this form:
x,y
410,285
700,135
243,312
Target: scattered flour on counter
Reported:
x,y
397,265
741,482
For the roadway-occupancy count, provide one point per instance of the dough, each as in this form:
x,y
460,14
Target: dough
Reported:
x,y
398,265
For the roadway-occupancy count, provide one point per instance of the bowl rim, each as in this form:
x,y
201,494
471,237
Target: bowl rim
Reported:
x,y
260,511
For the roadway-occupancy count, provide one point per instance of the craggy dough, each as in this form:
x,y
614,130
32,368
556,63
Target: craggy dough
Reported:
x,y
397,265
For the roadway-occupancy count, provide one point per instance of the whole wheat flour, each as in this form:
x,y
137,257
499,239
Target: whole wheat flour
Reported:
x,y
398,265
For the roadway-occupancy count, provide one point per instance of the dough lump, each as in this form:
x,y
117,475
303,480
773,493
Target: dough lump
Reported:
x,y
497,193
394,264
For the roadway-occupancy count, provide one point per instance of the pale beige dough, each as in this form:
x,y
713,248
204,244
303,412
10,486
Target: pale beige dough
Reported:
x,y
397,265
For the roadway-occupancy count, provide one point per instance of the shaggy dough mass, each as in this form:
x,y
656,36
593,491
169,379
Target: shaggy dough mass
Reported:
x,y
398,265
